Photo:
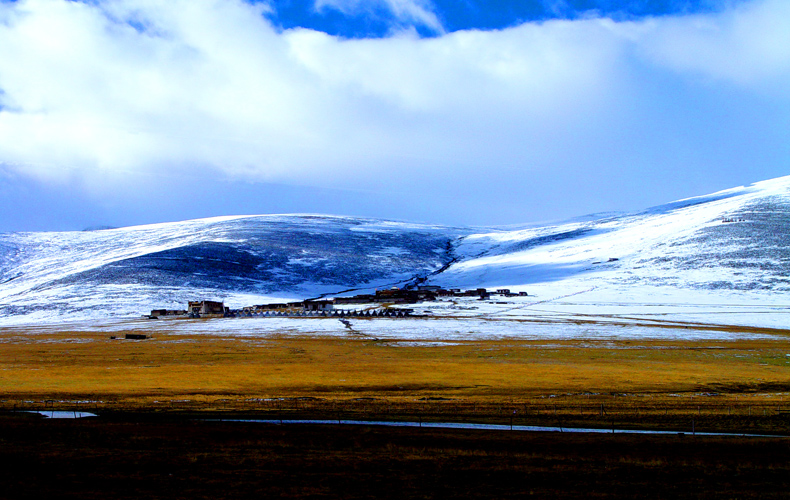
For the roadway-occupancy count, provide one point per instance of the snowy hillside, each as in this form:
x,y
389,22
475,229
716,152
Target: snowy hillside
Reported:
x,y
738,239
127,271
721,259
729,247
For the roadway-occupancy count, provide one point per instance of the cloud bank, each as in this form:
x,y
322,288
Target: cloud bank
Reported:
x,y
104,92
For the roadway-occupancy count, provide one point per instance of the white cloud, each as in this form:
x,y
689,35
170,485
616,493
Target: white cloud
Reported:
x,y
407,12
748,45
108,90
534,67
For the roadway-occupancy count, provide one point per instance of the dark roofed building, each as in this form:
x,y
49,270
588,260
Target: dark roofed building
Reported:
x,y
206,307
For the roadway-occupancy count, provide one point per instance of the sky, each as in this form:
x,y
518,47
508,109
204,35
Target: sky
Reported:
x,y
465,112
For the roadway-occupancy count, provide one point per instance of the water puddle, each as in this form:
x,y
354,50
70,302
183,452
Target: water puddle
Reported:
x,y
493,427
65,414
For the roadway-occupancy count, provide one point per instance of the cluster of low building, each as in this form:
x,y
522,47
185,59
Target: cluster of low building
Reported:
x,y
328,307
421,294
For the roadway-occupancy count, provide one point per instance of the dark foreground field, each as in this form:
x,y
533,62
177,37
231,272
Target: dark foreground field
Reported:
x,y
174,457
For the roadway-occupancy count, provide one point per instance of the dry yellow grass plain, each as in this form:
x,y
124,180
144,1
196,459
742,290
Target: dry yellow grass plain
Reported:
x,y
61,367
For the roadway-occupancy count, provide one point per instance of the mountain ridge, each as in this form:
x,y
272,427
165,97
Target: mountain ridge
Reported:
x,y
734,240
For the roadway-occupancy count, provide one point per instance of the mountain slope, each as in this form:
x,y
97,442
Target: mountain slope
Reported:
x,y
129,270
737,239
732,242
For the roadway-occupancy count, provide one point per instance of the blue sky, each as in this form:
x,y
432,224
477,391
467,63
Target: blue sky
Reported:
x,y
358,19
122,112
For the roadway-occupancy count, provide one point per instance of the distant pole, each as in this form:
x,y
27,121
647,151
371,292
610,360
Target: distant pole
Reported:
x,y
693,431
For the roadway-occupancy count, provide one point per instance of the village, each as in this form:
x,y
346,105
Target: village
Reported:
x,y
375,305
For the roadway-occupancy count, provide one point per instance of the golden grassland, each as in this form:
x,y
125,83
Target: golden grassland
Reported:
x,y
214,371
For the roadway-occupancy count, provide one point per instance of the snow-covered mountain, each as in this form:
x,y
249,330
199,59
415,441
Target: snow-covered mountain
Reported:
x,y
735,242
244,260
738,239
